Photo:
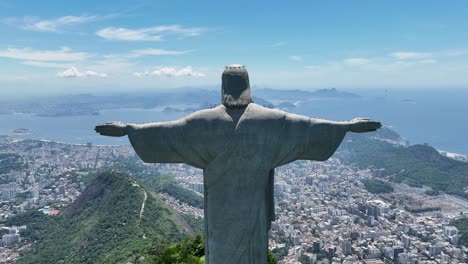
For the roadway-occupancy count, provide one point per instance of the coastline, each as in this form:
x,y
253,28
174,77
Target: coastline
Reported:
x,y
64,143
453,155
13,134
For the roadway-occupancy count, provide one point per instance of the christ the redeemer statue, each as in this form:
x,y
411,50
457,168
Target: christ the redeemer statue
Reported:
x,y
238,145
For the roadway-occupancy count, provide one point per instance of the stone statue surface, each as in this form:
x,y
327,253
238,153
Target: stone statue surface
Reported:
x,y
238,145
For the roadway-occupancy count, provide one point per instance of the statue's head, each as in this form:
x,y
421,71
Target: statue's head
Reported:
x,y
235,87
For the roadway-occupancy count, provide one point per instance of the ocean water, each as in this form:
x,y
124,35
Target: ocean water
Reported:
x,y
439,118
80,129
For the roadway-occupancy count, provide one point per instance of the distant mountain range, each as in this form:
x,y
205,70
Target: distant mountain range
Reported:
x,y
191,99
274,94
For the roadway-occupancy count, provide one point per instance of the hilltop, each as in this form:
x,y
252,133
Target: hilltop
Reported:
x,y
106,224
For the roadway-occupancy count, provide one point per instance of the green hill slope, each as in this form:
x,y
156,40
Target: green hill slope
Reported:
x,y
462,225
415,165
102,226
154,181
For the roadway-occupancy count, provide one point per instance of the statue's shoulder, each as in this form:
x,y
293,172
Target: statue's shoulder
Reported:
x,y
261,111
207,114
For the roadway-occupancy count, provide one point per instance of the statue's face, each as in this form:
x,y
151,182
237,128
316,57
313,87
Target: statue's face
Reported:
x,y
235,87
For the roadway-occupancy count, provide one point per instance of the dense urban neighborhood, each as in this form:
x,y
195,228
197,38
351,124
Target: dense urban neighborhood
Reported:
x,y
326,212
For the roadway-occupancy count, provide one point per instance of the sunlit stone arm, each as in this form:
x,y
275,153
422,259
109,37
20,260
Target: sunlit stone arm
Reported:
x,y
164,142
304,138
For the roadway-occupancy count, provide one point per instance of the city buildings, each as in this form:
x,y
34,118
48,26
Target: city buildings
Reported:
x,y
324,214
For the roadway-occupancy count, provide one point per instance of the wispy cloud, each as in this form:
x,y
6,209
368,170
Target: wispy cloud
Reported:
x,y
278,44
356,61
75,73
56,24
44,64
158,52
156,33
295,58
427,61
171,72
313,67
64,54
329,67
409,55
455,53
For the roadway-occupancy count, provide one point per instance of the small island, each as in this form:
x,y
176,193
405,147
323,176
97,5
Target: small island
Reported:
x,y
16,132
22,131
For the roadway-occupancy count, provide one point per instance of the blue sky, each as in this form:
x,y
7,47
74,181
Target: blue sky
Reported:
x,y
98,46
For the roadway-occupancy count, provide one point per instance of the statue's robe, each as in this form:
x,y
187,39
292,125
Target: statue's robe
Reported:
x,y
238,150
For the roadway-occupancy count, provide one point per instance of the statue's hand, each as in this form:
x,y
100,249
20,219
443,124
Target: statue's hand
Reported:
x,y
361,125
112,129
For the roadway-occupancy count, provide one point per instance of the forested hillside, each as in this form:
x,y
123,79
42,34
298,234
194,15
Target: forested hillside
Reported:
x,y
415,165
102,226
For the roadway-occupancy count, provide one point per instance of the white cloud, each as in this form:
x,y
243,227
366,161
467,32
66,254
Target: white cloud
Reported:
x,y
356,61
63,54
75,73
54,25
295,58
148,34
126,34
171,72
405,55
159,52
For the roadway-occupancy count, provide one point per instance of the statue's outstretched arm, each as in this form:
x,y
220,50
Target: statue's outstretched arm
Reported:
x,y
119,129
157,141
357,125
361,125
112,129
322,136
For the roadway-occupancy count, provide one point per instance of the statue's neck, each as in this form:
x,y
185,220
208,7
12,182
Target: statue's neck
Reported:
x,y
235,113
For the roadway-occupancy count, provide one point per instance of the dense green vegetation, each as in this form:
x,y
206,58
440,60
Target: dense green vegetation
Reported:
x,y
197,224
167,184
279,253
462,225
270,258
431,192
102,226
416,165
150,177
378,186
9,162
190,250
